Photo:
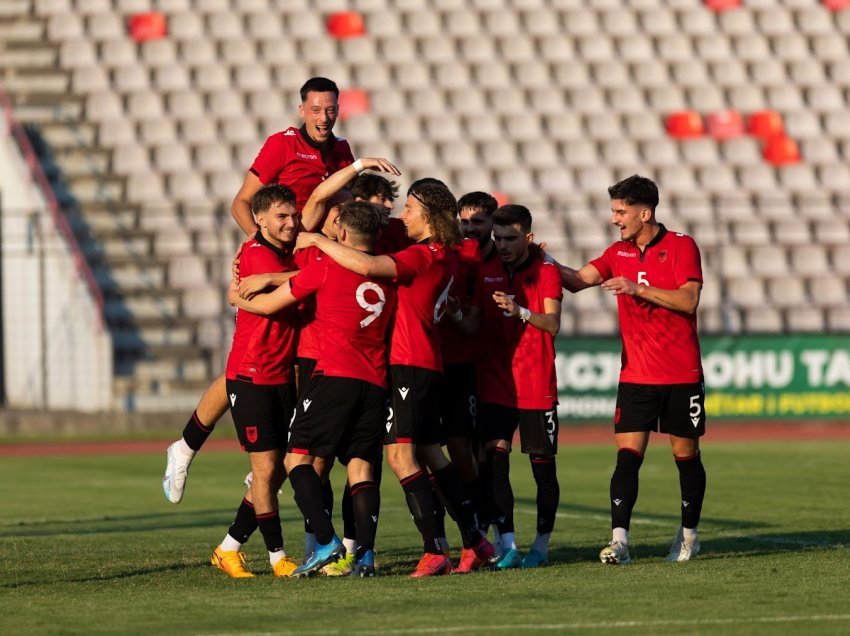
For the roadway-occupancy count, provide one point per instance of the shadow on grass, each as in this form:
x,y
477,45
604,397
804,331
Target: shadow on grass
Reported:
x,y
128,523
112,576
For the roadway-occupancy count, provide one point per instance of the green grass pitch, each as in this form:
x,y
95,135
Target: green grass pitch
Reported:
x,y
90,545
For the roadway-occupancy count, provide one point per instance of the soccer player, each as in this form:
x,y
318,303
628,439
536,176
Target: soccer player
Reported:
x,y
300,158
656,276
423,272
343,409
458,403
518,304
261,387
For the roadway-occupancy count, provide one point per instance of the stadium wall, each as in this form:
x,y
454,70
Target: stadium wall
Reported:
x,y
56,352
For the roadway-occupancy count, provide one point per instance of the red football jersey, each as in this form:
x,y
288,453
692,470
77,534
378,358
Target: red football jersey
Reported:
x,y
425,273
352,316
515,362
660,346
308,345
393,237
263,346
292,158
457,346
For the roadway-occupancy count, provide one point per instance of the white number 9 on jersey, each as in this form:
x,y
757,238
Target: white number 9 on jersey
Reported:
x,y
374,309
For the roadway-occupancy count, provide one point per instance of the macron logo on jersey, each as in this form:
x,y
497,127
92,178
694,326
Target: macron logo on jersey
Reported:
x,y
305,156
403,390
626,254
494,279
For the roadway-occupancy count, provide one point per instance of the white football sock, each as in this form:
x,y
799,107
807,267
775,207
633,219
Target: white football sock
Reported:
x,y
508,541
350,545
184,448
621,535
276,556
541,543
310,543
229,544
690,534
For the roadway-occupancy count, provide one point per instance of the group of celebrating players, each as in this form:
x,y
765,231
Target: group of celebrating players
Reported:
x,y
358,332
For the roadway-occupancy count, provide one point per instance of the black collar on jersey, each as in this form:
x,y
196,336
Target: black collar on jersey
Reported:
x,y
282,252
522,266
662,231
323,148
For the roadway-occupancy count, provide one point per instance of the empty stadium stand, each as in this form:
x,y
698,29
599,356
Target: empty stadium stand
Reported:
x,y
737,110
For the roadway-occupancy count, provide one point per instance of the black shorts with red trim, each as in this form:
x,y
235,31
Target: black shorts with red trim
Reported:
x,y
538,428
339,417
674,409
458,405
414,406
261,413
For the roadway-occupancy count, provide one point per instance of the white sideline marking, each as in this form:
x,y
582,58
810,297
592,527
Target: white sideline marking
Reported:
x,y
456,629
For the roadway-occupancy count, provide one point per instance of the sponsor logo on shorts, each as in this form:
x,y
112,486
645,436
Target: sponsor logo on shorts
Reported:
x,y
403,390
232,399
307,404
251,433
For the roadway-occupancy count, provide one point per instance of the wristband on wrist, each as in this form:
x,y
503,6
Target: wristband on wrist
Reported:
x,y
358,165
524,314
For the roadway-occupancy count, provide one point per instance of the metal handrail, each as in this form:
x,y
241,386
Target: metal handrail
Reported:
x,y
58,218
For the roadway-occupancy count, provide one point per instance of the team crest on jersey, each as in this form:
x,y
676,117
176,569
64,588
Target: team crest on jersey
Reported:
x,y
251,434
662,256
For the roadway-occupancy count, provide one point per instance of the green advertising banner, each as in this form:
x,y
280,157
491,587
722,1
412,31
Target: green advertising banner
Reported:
x,y
746,377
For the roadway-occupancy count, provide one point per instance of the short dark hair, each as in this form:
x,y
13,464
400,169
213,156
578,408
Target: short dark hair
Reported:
x,y
270,195
367,185
362,219
318,85
636,189
512,214
440,210
479,201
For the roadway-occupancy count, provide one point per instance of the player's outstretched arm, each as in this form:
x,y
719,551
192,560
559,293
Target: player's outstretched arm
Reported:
x,y
263,304
574,280
350,258
548,321
314,209
254,284
684,299
240,209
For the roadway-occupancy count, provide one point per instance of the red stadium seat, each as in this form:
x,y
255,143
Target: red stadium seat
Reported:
x,y
501,198
685,124
722,5
781,151
765,124
353,101
147,26
345,24
725,124
836,5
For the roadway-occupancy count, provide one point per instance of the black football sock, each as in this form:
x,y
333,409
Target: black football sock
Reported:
x,y
692,484
503,494
195,433
366,502
269,524
459,504
420,502
624,487
349,529
244,523
439,508
485,495
308,495
328,500
548,492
